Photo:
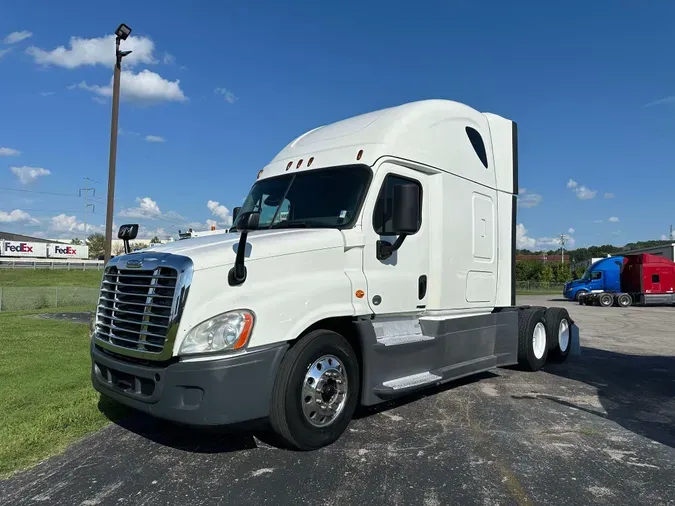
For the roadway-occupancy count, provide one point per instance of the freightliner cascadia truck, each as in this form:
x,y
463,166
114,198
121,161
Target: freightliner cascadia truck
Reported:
x,y
372,257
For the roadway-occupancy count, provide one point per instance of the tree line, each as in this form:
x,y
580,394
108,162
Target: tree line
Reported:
x,y
96,244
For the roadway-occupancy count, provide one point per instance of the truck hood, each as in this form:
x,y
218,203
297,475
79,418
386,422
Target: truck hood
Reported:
x,y
576,282
216,250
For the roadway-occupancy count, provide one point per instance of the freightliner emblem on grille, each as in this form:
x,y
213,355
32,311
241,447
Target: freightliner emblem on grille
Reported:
x,y
134,264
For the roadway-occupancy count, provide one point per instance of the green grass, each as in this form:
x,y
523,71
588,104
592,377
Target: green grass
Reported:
x,y
46,397
44,277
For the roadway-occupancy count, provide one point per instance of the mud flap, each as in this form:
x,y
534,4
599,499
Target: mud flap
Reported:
x,y
575,342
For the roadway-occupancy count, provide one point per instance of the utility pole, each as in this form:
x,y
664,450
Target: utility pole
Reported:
x,y
86,203
671,236
121,33
563,239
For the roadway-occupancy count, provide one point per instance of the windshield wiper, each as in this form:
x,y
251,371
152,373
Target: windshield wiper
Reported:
x,y
291,224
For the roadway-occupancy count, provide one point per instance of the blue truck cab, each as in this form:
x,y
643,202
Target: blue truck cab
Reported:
x,y
602,276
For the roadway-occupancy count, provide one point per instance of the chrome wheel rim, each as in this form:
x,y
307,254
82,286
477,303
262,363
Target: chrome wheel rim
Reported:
x,y
324,391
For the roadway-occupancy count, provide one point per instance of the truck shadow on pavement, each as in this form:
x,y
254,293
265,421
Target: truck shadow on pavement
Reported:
x,y
635,391
190,439
235,438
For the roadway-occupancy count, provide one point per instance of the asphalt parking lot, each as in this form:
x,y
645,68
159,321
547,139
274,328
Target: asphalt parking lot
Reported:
x,y
599,429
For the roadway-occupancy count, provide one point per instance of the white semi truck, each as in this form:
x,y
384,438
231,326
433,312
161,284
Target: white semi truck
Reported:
x,y
372,257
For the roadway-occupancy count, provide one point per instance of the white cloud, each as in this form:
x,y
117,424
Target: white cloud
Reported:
x,y
169,59
571,230
68,224
609,195
154,138
220,211
528,200
29,174
227,95
522,240
211,223
9,152
148,209
17,216
95,51
47,93
662,101
597,221
15,37
585,193
3,52
613,219
582,192
145,86
664,237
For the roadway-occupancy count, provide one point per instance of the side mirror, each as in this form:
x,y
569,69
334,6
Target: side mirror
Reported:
x,y
405,218
406,212
128,232
235,213
248,222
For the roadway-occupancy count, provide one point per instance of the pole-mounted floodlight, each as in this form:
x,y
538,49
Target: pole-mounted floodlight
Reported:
x,y
123,31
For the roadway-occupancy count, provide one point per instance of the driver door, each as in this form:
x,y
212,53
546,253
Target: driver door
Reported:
x,y
398,284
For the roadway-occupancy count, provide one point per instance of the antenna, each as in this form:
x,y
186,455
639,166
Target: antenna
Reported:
x,y
86,202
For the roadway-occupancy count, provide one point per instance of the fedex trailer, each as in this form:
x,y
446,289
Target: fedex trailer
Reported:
x,y
372,258
67,251
24,249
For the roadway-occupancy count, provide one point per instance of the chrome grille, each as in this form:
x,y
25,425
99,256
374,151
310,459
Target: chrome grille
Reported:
x,y
135,307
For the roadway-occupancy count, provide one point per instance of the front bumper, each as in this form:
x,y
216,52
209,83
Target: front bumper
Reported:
x,y
215,392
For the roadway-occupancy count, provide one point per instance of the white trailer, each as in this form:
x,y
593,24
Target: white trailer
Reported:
x,y
392,269
67,251
23,249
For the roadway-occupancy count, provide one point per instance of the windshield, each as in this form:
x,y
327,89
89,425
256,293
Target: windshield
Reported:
x,y
323,198
587,274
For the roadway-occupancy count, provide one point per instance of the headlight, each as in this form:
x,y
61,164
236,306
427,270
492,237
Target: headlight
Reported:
x,y
227,331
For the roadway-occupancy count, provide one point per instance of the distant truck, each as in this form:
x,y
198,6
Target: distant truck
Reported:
x,y
644,280
601,276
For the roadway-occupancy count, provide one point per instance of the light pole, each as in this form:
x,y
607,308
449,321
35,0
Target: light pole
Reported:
x,y
121,33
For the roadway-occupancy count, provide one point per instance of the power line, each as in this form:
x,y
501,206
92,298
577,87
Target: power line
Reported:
x,y
36,191
86,204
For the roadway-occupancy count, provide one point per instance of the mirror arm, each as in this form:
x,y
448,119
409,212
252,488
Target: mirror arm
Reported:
x,y
127,246
237,274
385,249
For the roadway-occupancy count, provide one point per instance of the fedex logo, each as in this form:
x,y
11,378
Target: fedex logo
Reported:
x,y
68,250
21,248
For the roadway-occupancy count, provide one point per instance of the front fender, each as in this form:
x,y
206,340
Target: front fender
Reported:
x,y
287,294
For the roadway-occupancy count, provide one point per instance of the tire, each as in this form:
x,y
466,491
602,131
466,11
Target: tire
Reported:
x,y
531,330
624,300
305,366
558,324
580,295
605,299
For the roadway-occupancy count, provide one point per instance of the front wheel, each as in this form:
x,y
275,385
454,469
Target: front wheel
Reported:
x,y
579,295
316,391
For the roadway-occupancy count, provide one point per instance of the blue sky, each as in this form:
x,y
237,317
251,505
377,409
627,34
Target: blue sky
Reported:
x,y
215,89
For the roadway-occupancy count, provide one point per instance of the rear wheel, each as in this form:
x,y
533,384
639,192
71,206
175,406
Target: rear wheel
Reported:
x,y
532,341
624,300
605,299
558,325
316,391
